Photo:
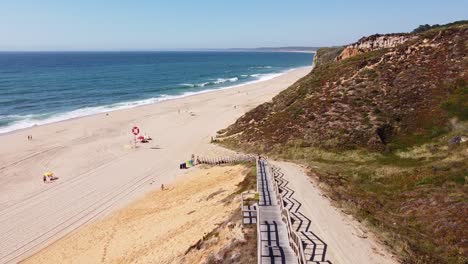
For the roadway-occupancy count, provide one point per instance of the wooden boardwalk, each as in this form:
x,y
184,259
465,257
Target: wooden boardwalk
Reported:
x,y
274,242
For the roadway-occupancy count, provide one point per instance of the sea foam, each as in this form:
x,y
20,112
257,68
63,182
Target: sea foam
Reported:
x,y
25,121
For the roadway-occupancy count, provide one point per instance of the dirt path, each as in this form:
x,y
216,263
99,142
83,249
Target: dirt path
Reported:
x,y
346,239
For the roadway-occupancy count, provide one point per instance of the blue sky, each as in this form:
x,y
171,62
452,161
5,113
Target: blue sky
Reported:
x,y
178,24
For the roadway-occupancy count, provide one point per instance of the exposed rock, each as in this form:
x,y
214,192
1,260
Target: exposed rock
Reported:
x,y
372,43
455,142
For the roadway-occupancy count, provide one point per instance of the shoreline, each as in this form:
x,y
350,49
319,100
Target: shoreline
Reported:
x,y
153,100
99,170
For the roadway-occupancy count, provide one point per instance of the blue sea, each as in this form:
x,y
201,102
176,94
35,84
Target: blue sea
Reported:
x,y
44,87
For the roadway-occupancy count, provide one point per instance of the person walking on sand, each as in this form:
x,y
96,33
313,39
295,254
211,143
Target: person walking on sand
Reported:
x,y
162,187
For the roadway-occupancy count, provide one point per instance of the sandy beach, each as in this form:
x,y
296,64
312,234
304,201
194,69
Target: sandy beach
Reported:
x,y
97,167
158,228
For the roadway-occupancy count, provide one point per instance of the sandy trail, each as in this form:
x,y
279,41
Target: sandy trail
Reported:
x,y
346,239
97,169
159,228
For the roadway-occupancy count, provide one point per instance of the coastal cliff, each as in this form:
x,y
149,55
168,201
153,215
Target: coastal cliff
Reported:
x,y
372,43
382,126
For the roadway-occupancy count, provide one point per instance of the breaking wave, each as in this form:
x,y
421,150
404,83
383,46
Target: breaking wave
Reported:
x,y
10,123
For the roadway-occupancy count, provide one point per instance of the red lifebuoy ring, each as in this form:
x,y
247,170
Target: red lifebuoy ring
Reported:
x,y
135,130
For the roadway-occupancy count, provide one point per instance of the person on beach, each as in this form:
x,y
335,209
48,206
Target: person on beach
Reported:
x,y
162,187
44,178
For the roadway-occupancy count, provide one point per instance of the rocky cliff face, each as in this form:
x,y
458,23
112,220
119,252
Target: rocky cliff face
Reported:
x,y
372,43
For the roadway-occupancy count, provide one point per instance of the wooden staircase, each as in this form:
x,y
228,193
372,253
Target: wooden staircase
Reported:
x,y
274,244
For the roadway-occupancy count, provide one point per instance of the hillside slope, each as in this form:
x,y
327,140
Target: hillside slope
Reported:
x,y
383,127
369,99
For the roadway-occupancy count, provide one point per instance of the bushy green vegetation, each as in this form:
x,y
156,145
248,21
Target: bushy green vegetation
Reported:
x,y
426,27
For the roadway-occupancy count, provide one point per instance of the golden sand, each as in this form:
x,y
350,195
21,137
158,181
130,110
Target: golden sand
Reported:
x,y
158,228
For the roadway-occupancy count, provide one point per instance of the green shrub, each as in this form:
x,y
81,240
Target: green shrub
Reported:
x,y
457,103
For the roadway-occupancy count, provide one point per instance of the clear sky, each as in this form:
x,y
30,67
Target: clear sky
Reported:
x,y
179,24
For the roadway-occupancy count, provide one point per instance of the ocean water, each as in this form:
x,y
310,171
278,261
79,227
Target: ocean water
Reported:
x,y
44,87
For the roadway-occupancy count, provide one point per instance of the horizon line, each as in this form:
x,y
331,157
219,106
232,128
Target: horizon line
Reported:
x,y
277,49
